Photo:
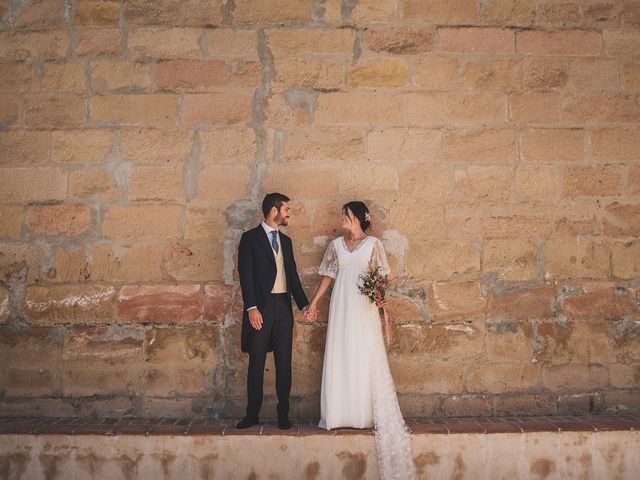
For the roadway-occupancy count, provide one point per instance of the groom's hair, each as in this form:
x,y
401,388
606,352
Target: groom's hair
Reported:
x,y
273,200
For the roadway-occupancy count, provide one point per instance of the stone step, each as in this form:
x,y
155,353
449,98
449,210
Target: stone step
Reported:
x,y
132,448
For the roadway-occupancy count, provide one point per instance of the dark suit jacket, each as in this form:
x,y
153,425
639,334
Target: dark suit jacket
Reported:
x,y
257,271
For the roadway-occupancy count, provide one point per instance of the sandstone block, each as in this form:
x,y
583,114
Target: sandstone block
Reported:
x,y
569,258
542,73
192,346
142,221
17,77
625,259
167,12
115,345
456,301
402,145
630,76
594,74
88,182
18,256
69,304
32,382
436,72
484,182
508,12
622,43
622,219
567,42
521,304
54,111
25,146
190,75
322,144
501,75
217,108
425,181
83,382
493,146
383,183
69,266
153,109
294,180
97,13
4,305
535,107
10,106
220,182
525,405
155,146
115,74
93,42
425,379
11,217
43,15
503,378
457,342
511,259
32,346
33,184
320,41
139,262
273,11
223,42
429,222
434,109
158,42
372,11
592,181
624,376
633,180
63,219
380,72
204,223
467,406
194,262
615,144
360,109
432,11
476,40
81,146
536,181
509,341
322,74
25,44
442,259
603,108
157,183
221,300
553,144
399,40
575,377
160,303
519,222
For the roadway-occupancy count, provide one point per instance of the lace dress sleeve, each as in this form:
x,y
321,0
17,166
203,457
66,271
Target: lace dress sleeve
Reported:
x,y
379,258
329,265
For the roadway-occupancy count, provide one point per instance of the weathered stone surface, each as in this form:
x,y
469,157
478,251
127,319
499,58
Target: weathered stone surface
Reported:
x,y
378,73
142,220
86,304
573,258
467,406
221,301
526,405
4,304
194,262
503,378
399,41
138,262
188,346
81,146
160,303
512,260
456,301
63,219
442,259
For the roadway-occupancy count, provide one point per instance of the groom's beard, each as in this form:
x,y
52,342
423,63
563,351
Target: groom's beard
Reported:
x,y
282,220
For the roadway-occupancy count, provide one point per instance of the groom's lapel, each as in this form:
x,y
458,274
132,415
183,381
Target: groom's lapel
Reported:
x,y
263,240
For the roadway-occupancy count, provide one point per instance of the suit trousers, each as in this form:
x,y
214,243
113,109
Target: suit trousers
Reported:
x,y
276,334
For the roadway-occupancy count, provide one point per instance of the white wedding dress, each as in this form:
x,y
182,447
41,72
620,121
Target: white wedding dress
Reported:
x,y
357,387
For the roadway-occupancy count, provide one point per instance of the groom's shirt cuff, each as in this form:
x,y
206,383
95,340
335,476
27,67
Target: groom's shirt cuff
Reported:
x,y
251,308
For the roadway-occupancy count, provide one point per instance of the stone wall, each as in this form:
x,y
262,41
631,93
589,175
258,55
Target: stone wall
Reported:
x,y
497,143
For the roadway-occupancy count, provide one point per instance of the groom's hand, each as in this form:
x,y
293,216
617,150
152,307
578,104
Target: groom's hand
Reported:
x,y
255,318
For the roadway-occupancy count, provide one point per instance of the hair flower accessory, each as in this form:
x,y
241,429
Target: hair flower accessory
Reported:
x,y
367,217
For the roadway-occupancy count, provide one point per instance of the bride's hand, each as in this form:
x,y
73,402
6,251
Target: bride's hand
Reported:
x,y
382,303
312,312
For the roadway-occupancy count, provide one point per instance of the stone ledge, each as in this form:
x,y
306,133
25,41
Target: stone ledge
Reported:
x,y
305,427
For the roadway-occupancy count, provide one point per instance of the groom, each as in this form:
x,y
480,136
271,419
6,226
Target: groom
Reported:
x,y
268,278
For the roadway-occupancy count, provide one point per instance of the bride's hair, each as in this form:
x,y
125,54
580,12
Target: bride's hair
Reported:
x,y
360,211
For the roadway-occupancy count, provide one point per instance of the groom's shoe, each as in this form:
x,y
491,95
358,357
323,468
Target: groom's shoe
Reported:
x,y
247,422
284,423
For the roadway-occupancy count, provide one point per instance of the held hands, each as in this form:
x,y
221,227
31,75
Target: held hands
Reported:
x,y
310,312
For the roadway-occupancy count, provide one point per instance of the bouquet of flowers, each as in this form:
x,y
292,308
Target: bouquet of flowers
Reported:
x,y
373,285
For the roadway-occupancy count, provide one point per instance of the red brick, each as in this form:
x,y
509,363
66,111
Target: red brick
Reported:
x,y
221,300
160,303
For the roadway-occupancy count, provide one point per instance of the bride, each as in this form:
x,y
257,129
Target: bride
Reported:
x,y
357,387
